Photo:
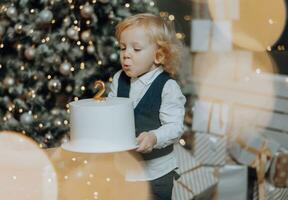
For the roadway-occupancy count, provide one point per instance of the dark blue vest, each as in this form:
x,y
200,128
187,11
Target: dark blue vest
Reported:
x,y
146,112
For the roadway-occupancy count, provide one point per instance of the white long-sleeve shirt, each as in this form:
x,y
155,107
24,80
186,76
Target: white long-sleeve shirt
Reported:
x,y
171,116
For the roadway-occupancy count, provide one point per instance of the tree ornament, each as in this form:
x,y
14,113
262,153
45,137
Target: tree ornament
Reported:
x,y
76,53
55,111
18,28
26,118
30,53
87,11
65,139
65,68
49,136
43,49
8,82
72,34
56,59
57,122
54,85
91,49
69,88
67,22
113,57
86,36
45,16
12,12
36,36
111,15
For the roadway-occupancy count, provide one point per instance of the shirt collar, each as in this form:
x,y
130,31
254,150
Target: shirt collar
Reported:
x,y
150,76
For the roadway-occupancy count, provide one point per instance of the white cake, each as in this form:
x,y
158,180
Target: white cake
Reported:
x,y
101,126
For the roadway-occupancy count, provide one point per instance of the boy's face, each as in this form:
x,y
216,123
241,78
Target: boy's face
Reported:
x,y
137,52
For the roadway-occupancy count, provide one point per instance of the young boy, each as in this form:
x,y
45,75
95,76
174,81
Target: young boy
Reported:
x,y
149,52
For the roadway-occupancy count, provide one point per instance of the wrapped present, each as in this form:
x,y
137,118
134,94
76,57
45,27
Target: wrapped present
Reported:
x,y
200,35
201,116
278,174
271,192
279,137
219,123
232,182
221,40
210,117
185,159
209,149
198,183
225,10
256,152
181,192
229,160
248,150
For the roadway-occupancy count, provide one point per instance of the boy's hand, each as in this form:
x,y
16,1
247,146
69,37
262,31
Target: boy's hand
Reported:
x,y
146,142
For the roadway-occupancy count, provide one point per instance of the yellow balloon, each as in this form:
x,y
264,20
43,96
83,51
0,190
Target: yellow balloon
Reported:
x,y
263,62
97,176
260,22
26,171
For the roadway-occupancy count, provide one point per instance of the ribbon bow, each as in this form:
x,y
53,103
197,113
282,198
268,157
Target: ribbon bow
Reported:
x,y
262,156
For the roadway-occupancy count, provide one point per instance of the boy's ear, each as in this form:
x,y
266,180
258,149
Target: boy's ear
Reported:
x,y
159,57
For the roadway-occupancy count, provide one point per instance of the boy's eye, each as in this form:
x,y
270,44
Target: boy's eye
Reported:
x,y
137,49
122,48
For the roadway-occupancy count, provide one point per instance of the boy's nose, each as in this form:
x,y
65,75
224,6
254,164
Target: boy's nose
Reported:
x,y
127,54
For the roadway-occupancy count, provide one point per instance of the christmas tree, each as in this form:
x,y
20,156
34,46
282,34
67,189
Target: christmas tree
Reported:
x,y
51,53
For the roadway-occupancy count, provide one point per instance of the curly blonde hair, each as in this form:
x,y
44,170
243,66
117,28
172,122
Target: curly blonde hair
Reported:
x,y
162,33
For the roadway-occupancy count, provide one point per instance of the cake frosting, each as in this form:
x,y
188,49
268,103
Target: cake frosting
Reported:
x,y
101,126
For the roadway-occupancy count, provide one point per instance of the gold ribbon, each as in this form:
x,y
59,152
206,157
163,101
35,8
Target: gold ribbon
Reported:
x,y
187,188
220,120
183,185
215,172
209,118
262,155
98,96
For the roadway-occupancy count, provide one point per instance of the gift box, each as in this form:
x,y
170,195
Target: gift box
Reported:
x,y
232,182
210,117
219,123
256,152
200,35
279,137
201,116
278,174
271,192
209,149
185,159
207,35
198,183
221,40
225,10
181,192
252,150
